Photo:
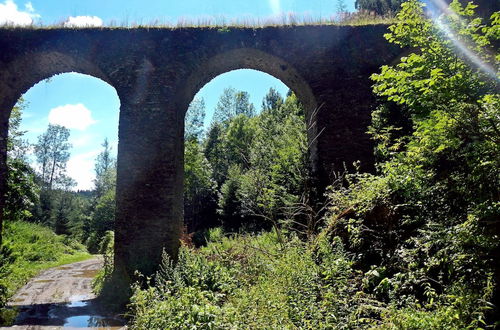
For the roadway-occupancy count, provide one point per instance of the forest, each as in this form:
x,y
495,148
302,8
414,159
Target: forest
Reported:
x,y
413,245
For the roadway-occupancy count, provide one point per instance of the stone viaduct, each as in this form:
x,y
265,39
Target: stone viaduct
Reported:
x,y
156,73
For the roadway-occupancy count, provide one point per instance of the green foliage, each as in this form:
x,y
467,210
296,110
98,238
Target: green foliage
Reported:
x,y
381,7
272,100
105,171
57,206
237,140
102,207
425,230
29,248
230,201
52,153
214,152
278,158
194,121
22,191
16,145
451,159
233,103
200,195
101,221
246,282
440,75
260,163
106,249
255,282
61,221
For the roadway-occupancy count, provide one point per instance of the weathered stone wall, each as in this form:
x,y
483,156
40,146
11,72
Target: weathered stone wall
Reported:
x,y
156,73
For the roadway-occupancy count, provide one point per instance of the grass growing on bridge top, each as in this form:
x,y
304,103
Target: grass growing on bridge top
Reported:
x,y
283,20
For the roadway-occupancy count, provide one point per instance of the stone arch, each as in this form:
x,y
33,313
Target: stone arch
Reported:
x,y
23,73
251,58
17,77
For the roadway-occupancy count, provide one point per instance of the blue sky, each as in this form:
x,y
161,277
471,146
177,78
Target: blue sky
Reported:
x,y
89,107
123,11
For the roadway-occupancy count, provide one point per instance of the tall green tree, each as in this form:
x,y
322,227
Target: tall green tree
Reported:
x,y
22,191
242,104
52,153
195,118
214,152
103,204
272,100
60,215
17,146
200,193
237,140
265,164
276,177
232,103
430,219
381,7
229,135
105,164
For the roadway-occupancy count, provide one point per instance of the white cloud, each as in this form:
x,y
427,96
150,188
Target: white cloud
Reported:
x,y
11,15
29,7
82,141
83,21
275,6
81,168
75,116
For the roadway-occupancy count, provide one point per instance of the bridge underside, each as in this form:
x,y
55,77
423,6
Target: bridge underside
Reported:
x,y
157,72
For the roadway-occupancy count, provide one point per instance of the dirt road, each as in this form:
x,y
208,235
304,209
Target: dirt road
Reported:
x,y
62,298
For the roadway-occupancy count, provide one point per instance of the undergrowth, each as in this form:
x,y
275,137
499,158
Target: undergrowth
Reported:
x,y
28,249
106,247
256,282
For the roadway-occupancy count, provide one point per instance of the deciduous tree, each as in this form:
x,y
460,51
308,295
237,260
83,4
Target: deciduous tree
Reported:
x,y
52,153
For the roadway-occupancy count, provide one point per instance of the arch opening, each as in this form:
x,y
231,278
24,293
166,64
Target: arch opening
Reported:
x,y
249,58
252,146
61,161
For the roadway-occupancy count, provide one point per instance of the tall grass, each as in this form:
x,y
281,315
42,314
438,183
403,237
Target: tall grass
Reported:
x,y
256,282
220,21
30,248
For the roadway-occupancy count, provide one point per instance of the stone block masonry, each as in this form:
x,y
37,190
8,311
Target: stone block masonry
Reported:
x,y
156,73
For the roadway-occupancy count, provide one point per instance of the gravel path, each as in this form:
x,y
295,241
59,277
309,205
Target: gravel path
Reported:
x,y
62,298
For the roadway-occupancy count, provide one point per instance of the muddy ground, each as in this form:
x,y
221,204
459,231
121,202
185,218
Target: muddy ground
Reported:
x,y
62,298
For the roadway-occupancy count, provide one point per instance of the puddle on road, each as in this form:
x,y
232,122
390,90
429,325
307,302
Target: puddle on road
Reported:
x,y
43,281
77,301
89,321
80,311
87,273
93,321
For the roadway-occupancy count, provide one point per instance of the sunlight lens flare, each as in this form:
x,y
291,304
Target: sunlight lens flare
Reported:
x,y
441,7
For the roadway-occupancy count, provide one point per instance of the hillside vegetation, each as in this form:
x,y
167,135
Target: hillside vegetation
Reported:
x,y
413,246
30,248
257,282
